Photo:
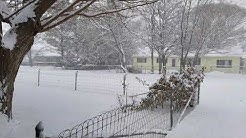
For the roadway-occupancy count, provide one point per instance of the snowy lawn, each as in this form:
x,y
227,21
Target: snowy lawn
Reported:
x,y
222,110
57,104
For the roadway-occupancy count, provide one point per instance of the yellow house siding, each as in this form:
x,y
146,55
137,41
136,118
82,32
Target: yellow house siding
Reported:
x,y
147,65
210,63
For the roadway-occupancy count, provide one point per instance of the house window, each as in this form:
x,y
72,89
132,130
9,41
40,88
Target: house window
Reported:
x,y
173,62
224,63
141,60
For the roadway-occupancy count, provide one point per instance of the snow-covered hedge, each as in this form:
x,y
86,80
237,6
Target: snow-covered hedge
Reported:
x,y
181,86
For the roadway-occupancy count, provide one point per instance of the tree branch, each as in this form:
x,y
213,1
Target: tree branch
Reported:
x,y
49,26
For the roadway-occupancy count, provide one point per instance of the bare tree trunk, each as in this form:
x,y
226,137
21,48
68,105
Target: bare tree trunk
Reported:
x,y
10,61
152,60
164,64
160,63
195,61
181,60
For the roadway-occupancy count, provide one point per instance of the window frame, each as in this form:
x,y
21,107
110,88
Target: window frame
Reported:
x,y
221,63
141,60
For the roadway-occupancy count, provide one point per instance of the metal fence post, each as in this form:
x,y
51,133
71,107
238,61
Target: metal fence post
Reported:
x,y
38,77
124,86
171,109
76,80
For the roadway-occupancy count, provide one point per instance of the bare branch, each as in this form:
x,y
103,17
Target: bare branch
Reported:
x,y
55,23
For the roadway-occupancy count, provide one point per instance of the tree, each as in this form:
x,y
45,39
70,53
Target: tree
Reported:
x,y
30,17
189,18
119,37
162,21
220,27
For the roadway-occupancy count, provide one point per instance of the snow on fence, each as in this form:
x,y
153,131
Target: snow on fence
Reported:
x,y
130,121
106,82
148,69
125,121
122,122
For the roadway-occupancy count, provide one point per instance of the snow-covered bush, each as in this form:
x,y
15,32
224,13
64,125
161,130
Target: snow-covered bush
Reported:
x,y
179,86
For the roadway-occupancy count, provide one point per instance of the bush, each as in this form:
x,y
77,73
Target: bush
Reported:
x,y
181,85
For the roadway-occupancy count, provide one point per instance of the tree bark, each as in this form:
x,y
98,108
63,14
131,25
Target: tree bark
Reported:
x,y
164,63
10,61
152,60
160,63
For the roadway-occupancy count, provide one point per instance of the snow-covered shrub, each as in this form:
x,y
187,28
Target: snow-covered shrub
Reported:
x,y
180,86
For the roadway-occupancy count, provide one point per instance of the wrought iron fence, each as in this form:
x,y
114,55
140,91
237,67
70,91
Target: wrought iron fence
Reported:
x,y
132,122
122,122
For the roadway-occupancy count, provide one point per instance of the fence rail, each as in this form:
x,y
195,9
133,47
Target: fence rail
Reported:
x,y
131,121
122,122
105,81
125,121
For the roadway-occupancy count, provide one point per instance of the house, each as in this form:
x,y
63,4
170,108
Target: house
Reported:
x,y
223,61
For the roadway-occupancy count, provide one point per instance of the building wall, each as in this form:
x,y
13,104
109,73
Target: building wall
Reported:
x,y
147,65
210,64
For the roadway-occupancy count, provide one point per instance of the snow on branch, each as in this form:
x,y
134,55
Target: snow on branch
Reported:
x,y
91,8
115,10
61,13
19,16
25,14
4,10
55,20
9,39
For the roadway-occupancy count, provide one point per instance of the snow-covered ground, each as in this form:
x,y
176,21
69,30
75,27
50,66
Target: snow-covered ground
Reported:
x,y
56,102
222,110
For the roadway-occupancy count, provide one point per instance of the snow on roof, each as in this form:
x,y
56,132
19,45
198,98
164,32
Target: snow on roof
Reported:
x,y
144,52
234,51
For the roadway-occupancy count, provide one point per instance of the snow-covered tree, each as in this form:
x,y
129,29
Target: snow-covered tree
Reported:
x,y
27,18
162,21
119,37
220,27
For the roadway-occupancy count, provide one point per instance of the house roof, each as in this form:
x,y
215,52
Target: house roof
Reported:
x,y
234,51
